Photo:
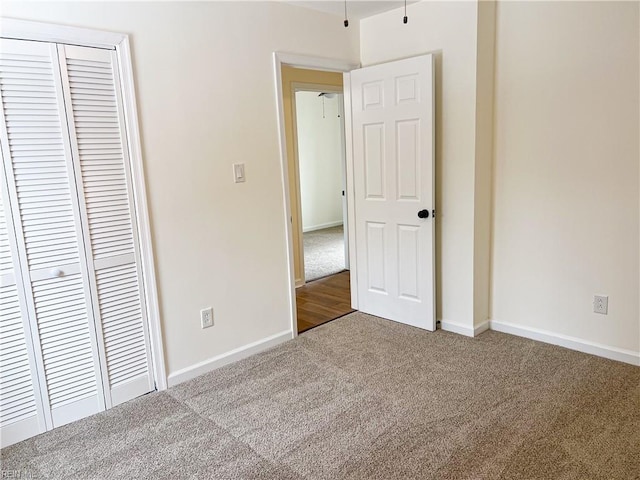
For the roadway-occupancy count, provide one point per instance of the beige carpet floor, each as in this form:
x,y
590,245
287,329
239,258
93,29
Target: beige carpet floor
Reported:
x,y
365,398
323,252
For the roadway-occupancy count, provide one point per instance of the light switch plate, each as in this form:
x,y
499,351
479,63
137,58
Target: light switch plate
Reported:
x,y
238,172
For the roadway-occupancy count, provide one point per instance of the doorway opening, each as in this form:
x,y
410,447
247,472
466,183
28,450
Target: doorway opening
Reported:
x,y
315,142
320,152
390,161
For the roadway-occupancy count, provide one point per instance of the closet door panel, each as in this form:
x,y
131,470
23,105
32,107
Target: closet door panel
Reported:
x,y
21,412
98,138
47,224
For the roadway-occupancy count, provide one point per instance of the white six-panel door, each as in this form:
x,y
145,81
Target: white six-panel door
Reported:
x,y
393,158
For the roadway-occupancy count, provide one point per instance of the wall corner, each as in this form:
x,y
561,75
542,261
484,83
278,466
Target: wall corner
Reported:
x,y
483,162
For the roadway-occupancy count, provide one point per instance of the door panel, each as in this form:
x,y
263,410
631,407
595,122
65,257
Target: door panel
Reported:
x,y
376,233
408,160
37,162
98,139
408,248
392,118
63,326
21,413
374,160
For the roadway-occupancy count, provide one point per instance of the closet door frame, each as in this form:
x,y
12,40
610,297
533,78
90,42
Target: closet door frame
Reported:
x,y
45,32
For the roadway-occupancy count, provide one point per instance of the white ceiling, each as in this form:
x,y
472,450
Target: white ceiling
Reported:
x,y
356,9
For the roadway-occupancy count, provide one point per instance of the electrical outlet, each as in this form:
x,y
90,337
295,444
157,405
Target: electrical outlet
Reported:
x,y
601,304
206,317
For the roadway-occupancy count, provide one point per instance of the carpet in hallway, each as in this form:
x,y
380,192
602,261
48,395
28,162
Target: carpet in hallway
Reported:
x,y
323,252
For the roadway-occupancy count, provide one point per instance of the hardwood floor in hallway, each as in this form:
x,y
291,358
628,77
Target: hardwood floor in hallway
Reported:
x,y
323,300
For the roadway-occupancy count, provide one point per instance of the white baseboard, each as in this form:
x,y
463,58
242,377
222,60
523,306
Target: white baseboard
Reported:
x,y
226,358
573,343
483,327
466,330
455,327
321,226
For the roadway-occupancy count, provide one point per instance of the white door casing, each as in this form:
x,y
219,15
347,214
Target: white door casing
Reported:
x,y
317,63
343,163
393,179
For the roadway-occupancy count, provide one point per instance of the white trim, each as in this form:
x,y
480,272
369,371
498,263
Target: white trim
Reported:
x,y
226,358
47,32
483,327
351,196
318,63
343,184
322,226
286,195
573,343
77,410
298,249
21,430
314,87
142,212
459,328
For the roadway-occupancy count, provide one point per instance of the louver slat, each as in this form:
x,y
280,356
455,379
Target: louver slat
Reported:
x,y
13,350
17,392
102,165
123,308
99,145
72,345
6,264
32,182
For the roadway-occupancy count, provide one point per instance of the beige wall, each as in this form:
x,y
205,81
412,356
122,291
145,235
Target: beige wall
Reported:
x,y
206,97
320,152
566,212
485,67
450,31
566,219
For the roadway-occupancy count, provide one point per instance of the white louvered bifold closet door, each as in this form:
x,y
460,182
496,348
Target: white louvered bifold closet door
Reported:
x,y
46,215
70,263
21,412
98,139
